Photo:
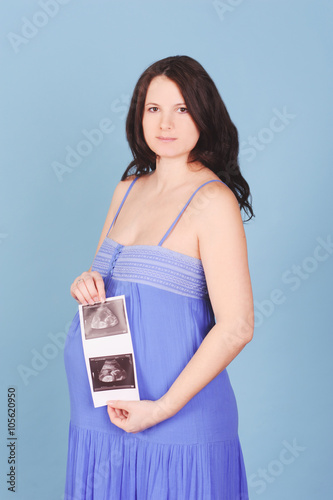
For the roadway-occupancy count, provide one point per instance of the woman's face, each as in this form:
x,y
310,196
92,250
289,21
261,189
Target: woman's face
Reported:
x,y
165,115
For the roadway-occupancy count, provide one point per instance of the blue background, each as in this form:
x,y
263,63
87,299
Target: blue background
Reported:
x,y
80,67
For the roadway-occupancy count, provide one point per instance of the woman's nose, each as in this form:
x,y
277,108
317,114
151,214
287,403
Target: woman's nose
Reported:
x,y
166,121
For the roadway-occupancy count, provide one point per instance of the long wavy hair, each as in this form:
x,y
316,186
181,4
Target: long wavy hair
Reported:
x,y
217,147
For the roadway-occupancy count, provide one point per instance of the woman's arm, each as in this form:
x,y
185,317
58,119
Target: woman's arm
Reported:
x,y
223,251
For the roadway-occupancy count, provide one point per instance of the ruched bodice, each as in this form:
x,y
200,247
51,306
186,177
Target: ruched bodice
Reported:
x,y
152,265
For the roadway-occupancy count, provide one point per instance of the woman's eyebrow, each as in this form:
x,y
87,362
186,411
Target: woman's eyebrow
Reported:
x,y
155,104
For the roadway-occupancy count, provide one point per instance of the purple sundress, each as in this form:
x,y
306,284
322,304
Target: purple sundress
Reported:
x,y
194,455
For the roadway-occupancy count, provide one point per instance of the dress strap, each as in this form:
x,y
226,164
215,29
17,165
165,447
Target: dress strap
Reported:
x,y
121,204
181,212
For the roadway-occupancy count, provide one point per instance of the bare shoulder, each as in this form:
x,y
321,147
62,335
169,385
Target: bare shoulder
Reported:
x,y
217,202
120,190
123,185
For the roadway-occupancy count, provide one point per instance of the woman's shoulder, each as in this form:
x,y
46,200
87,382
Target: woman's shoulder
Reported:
x,y
122,186
216,197
205,183
128,180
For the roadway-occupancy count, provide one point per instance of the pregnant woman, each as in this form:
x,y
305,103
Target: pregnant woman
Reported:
x,y
178,253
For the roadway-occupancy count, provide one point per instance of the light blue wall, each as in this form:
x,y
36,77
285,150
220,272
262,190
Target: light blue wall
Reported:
x,y
266,58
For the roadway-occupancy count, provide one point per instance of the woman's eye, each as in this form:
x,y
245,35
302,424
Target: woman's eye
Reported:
x,y
155,107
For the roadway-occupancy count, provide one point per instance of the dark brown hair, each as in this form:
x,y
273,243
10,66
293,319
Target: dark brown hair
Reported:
x,y
217,147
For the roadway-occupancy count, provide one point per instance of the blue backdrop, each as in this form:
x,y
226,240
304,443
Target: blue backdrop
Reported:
x,y
68,68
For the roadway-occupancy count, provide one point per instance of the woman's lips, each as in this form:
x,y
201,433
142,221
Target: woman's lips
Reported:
x,y
166,139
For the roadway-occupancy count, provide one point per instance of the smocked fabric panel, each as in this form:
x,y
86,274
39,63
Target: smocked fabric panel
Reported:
x,y
149,266
155,265
102,259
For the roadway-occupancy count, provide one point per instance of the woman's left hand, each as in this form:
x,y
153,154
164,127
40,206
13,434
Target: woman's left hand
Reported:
x,y
136,416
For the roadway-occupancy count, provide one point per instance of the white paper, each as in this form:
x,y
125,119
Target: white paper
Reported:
x,y
108,351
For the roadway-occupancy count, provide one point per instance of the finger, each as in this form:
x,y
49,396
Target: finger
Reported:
x,y
120,412
81,290
91,288
85,288
114,418
74,296
99,285
78,296
121,404
117,411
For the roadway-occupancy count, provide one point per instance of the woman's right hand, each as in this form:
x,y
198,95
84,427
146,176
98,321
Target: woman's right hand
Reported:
x,y
88,288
